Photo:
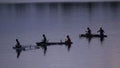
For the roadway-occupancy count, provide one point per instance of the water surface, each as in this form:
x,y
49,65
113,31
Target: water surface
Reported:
x,y
29,21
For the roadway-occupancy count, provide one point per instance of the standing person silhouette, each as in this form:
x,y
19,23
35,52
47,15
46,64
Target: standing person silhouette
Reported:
x,y
101,31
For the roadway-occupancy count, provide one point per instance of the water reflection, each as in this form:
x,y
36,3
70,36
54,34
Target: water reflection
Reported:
x,y
43,44
25,48
41,7
89,35
19,48
20,7
78,13
29,21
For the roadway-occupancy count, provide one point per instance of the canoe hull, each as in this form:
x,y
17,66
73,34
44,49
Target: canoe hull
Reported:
x,y
93,35
53,43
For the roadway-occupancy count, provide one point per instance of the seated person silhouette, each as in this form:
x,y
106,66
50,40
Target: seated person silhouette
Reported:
x,y
68,41
88,32
18,51
101,31
44,39
18,44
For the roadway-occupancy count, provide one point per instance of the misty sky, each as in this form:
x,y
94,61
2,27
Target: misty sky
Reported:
x,y
14,1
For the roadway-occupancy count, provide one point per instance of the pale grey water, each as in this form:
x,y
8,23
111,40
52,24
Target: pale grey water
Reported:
x,y
28,22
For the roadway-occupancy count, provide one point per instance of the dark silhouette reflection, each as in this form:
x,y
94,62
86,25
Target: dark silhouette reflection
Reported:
x,y
45,43
114,5
67,5
89,39
25,48
102,36
19,48
44,47
41,7
101,40
114,8
7,6
68,42
53,6
89,35
18,51
67,8
20,9
90,7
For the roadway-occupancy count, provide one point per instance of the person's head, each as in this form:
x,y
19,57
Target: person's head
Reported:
x,y
43,35
88,28
16,39
67,36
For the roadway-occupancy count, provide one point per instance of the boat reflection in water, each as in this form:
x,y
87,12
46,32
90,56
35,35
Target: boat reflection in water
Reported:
x,y
90,36
44,45
19,48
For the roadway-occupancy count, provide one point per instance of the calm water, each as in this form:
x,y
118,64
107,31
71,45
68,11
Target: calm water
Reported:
x,y
28,22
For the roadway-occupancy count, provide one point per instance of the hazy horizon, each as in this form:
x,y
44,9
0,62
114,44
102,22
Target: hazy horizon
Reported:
x,y
32,1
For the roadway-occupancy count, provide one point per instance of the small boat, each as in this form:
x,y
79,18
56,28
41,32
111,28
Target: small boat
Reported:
x,y
24,48
53,43
92,35
19,48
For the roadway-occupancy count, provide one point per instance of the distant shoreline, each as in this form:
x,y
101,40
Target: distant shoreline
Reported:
x,y
25,2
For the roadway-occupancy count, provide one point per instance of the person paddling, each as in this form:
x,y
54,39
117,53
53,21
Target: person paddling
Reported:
x,y
101,31
44,44
18,44
68,41
44,39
